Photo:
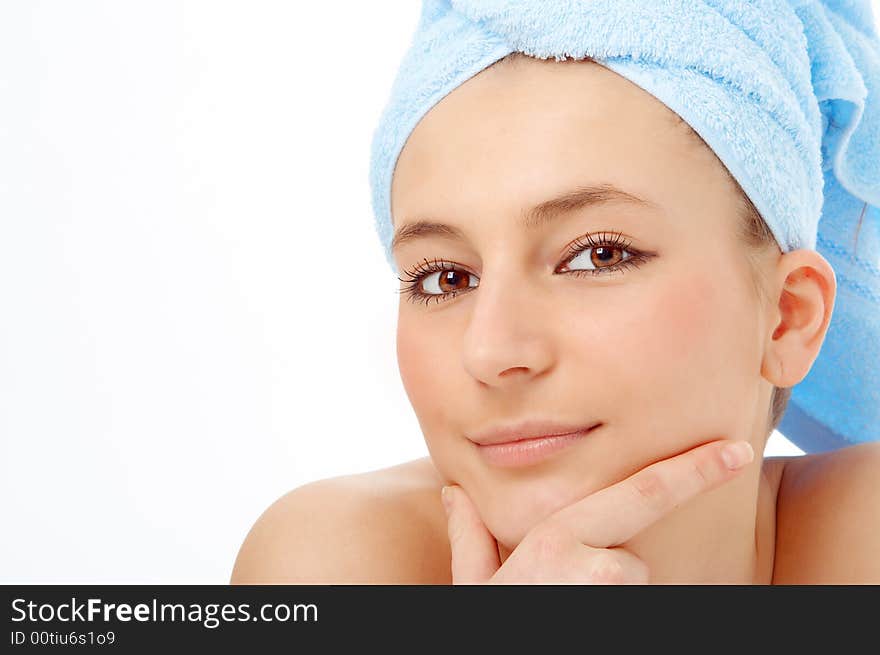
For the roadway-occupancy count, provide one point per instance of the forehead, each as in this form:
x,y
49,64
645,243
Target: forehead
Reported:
x,y
513,131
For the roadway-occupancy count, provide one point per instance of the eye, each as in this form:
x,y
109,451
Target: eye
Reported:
x,y
604,254
438,280
601,257
447,281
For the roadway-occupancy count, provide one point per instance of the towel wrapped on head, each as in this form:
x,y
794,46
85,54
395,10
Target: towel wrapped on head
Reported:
x,y
785,92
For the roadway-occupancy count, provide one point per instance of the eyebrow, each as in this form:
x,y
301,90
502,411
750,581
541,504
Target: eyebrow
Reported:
x,y
537,216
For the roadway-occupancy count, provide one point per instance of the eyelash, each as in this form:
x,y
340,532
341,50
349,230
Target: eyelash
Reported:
x,y
613,240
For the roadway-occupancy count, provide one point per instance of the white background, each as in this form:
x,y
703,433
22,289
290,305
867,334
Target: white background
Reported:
x,y
195,312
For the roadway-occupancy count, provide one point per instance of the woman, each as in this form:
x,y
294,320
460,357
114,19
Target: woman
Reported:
x,y
577,261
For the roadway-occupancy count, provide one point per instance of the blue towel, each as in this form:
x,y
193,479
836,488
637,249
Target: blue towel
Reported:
x,y
787,94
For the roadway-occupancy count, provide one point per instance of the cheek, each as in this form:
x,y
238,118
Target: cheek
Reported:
x,y
690,352
430,369
416,348
681,321
426,371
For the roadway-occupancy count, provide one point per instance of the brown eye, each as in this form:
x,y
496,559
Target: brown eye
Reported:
x,y
447,281
605,255
598,257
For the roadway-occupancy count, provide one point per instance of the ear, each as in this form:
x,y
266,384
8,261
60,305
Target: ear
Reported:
x,y
803,287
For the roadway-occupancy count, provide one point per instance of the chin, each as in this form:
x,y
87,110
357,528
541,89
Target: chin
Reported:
x,y
510,533
511,516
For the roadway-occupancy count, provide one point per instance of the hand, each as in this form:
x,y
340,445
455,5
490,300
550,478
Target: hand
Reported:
x,y
576,544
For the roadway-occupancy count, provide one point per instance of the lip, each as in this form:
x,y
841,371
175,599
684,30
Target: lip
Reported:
x,y
521,446
528,429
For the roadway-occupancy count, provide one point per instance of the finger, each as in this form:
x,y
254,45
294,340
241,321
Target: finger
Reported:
x,y
607,566
474,549
614,515
637,571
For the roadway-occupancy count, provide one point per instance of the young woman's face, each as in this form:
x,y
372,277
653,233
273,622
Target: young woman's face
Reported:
x,y
665,354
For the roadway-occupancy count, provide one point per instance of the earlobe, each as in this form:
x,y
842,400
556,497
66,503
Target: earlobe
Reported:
x,y
805,287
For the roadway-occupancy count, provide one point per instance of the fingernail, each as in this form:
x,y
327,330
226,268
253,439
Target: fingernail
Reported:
x,y
736,455
446,497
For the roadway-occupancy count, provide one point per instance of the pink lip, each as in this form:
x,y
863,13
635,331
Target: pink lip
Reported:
x,y
528,451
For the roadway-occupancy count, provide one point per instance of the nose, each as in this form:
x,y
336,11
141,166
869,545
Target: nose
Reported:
x,y
509,337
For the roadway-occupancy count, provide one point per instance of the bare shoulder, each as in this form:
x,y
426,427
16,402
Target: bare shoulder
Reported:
x,y
828,518
381,527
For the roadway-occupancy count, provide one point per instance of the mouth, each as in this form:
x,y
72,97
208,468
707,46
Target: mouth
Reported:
x,y
524,452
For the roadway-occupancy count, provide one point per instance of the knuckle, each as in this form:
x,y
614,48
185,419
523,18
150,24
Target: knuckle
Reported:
x,y
457,530
606,568
547,544
644,574
652,490
640,573
703,472
455,534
